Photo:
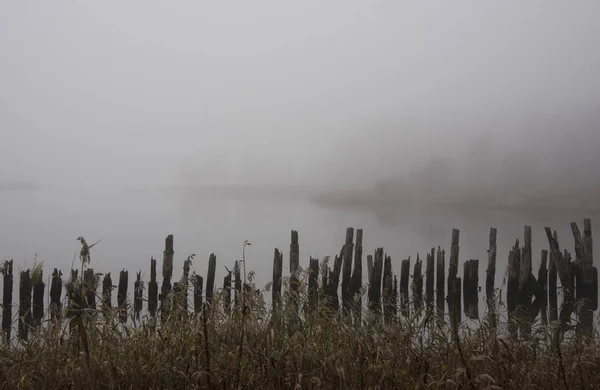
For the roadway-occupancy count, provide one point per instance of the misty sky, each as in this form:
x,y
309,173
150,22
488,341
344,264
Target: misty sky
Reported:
x,y
125,94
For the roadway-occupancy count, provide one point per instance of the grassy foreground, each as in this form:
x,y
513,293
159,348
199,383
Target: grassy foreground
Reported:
x,y
253,349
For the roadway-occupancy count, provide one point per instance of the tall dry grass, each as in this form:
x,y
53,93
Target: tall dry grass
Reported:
x,y
316,350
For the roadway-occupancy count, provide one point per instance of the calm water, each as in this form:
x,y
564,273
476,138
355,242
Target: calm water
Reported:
x,y
133,227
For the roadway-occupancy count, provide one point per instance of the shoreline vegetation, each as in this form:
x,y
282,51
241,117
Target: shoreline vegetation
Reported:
x,y
326,326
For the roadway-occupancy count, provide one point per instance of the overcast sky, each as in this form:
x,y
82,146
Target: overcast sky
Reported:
x,y
123,93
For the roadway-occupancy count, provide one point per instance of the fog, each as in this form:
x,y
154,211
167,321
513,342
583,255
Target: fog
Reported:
x,y
100,97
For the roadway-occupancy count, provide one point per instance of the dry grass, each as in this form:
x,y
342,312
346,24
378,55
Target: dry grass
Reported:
x,y
316,351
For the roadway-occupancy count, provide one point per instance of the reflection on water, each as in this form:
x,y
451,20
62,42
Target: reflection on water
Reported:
x,y
134,225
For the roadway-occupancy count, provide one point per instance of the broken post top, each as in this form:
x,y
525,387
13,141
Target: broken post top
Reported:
x,y
168,257
455,237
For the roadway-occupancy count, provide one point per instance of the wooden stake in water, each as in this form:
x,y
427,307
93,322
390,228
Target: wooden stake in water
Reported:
x,y
313,284
152,289
138,288
227,292
388,289
37,280
417,285
440,282
277,275
167,274
210,278
356,281
552,290
404,278
429,281
107,288
347,271
7,272
25,318
491,271
543,282
198,288
294,266
55,294
454,281
512,289
122,295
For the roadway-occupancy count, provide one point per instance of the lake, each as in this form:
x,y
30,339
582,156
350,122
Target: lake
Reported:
x,y
133,227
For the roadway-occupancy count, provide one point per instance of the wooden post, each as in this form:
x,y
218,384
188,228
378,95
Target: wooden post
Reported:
x,y
90,291
313,284
177,301
395,298
429,281
474,289
377,281
404,278
417,286
441,282
543,281
227,292
584,275
333,284
490,276
565,274
356,281
512,289
388,287
371,281
467,288
454,281
277,275
55,293
73,295
294,265
526,290
138,288
25,318
198,287
552,290
238,285
7,272
187,265
107,288
122,295
210,278
152,289
347,271
167,274
37,279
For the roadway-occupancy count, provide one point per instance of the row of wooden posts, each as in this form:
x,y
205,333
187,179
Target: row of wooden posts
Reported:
x,y
527,296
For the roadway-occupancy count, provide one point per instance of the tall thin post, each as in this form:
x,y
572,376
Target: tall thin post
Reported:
x,y
552,290
55,294
404,278
429,281
198,282
107,288
490,276
543,281
313,284
7,272
227,292
210,278
347,271
138,288
122,295
417,286
167,274
294,266
89,284
512,290
37,280
441,282
277,275
152,289
238,286
454,281
25,318
356,281
388,287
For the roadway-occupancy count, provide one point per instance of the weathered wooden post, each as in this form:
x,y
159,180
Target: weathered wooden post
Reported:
x,y
474,289
198,288
467,288
404,278
187,265
313,284
543,282
294,266
441,282
552,290
388,287
89,283
227,292
490,276
7,272
429,281
107,288
371,281
417,286
356,281
238,285
25,318
138,288
122,295
74,296
512,288
565,273
377,282
152,289
454,288
333,284
527,286
347,271
588,247
37,280
210,278
277,275
167,273
584,275
395,298
55,293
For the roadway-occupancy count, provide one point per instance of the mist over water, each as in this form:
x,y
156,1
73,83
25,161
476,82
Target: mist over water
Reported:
x,y
262,107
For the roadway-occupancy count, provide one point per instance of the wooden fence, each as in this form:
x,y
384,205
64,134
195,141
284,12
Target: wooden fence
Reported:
x,y
447,297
